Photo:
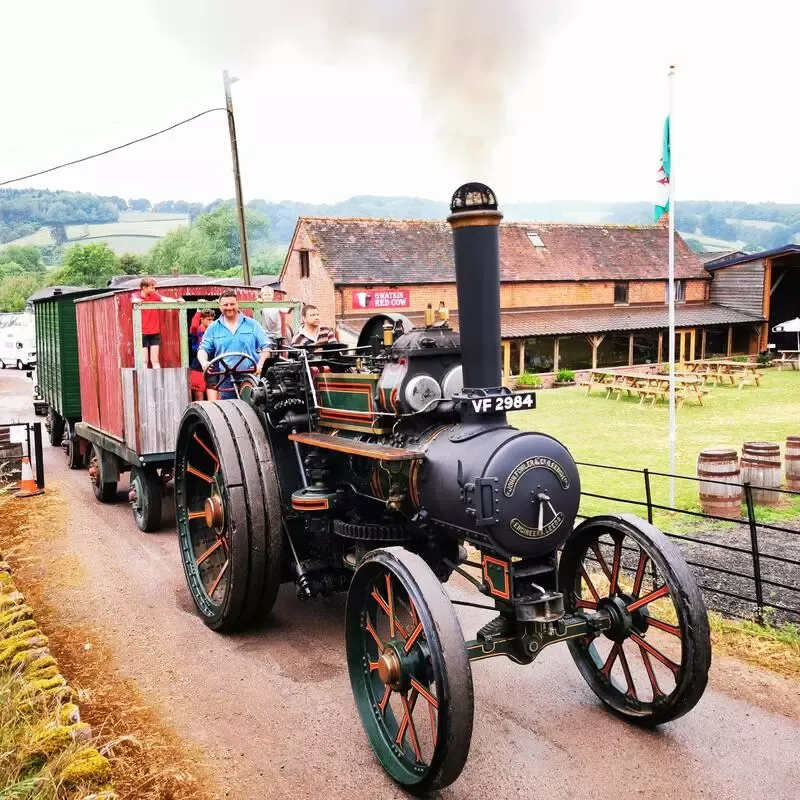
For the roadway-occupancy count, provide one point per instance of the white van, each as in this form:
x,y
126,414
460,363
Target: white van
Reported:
x,y
17,347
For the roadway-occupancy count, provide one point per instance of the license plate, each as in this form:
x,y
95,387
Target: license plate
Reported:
x,y
517,401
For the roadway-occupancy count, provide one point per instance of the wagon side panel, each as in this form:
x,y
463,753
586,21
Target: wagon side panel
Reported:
x,y
109,342
99,357
161,396
87,363
46,353
125,329
65,354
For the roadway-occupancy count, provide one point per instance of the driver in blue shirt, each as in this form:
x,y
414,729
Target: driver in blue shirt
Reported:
x,y
233,332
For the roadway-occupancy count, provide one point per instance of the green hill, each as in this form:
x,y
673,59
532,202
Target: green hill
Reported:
x,y
134,232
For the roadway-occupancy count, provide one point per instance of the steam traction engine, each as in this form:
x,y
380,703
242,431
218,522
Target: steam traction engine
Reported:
x,y
372,469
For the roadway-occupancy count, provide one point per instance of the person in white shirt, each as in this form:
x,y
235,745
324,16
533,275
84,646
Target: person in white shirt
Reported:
x,y
271,318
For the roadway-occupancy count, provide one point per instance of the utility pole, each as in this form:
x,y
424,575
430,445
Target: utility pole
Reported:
x,y
237,179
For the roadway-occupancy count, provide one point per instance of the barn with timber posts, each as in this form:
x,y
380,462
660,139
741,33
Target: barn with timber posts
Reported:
x,y
766,283
572,296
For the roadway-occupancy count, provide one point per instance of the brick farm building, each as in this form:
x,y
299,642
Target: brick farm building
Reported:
x,y
572,296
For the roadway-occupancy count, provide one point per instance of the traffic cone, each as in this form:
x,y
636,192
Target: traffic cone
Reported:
x,y
27,484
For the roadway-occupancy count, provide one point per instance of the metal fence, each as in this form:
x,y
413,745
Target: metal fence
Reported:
x,y
747,567
20,440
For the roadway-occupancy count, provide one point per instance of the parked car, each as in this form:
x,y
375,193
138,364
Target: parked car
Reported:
x,y
17,348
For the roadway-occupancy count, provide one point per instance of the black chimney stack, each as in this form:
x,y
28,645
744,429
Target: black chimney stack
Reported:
x,y
475,221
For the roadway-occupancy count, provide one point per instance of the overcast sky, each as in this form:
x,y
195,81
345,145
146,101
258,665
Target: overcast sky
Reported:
x,y
547,101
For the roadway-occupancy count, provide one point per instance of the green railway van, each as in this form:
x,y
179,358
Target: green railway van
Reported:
x,y
57,365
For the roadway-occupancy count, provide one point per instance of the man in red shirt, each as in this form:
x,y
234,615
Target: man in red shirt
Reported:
x,y
151,323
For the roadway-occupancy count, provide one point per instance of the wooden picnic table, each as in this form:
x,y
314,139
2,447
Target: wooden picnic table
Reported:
x,y
721,369
790,358
647,385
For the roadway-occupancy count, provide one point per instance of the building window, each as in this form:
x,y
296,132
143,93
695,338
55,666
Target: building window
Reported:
x,y
680,291
304,269
539,353
614,350
645,347
740,343
574,352
514,351
535,239
716,342
621,293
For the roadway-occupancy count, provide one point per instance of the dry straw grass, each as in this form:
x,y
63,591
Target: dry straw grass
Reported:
x,y
148,761
776,649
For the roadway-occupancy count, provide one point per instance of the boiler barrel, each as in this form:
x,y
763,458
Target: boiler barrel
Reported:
x,y
793,463
720,499
761,467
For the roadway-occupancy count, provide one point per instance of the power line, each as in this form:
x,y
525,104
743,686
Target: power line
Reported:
x,y
112,149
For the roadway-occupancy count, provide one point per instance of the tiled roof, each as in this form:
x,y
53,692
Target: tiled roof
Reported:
x,y
563,322
628,318
369,251
712,259
778,252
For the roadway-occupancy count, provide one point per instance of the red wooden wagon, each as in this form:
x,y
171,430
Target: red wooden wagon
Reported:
x,y
130,413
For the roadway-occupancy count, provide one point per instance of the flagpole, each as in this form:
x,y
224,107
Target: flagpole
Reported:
x,y
673,437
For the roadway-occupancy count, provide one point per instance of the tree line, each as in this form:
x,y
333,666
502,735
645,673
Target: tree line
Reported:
x,y
209,246
24,211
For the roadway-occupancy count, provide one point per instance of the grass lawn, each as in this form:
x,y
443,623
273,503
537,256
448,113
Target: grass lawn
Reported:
x,y
624,434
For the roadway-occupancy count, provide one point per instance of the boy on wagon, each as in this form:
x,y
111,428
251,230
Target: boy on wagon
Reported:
x,y
151,322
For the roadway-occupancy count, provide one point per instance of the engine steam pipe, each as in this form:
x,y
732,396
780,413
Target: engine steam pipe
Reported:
x,y
475,221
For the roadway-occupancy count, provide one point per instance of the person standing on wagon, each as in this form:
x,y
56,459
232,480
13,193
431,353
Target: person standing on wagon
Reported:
x,y
151,321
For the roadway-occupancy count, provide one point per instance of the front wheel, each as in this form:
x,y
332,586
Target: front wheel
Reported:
x,y
145,496
229,513
55,427
72,447
104,490
651,665
409,670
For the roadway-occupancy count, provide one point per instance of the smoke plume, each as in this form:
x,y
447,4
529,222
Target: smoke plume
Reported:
x,y
461,55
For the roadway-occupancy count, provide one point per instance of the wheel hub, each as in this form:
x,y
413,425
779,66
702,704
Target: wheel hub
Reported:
x,y
621,620
389,668
214,513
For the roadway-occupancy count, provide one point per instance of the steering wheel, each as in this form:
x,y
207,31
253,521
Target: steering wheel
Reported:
x,y
214,377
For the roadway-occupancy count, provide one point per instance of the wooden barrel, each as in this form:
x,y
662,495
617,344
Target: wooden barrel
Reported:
x,y
761,466
720,499
793,463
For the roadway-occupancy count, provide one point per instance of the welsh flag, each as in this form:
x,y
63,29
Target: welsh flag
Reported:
x,y
664,171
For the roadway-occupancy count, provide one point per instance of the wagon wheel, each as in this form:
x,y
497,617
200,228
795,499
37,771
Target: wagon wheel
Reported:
x,y
409,669
145,496
652,664
55,427
229,514
72,447
104,490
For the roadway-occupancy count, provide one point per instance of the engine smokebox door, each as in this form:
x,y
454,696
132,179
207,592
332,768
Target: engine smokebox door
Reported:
x,y
537,494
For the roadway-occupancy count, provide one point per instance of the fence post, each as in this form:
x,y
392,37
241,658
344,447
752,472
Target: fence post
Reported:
x,y
751,518
37,448
648,495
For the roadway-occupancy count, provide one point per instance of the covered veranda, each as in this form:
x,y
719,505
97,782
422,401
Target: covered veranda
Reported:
x,y
578,339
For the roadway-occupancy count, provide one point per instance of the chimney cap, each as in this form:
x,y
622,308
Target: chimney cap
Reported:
x,y
473,197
